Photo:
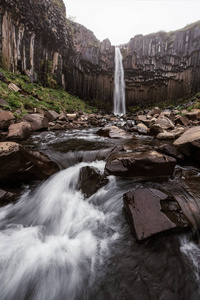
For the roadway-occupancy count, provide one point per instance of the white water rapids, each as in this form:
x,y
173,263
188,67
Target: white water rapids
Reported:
x,y
56,245
51,242
119,91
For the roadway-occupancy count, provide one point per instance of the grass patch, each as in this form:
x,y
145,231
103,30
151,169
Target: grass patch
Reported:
x,y
32,95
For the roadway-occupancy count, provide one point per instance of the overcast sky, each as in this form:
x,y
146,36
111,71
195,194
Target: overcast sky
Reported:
x,y
120,20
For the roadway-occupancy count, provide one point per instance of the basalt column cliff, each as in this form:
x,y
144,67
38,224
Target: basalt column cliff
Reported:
x,y
37,39
162,66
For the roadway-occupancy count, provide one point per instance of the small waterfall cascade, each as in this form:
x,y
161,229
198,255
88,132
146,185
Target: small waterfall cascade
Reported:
x,y
119,90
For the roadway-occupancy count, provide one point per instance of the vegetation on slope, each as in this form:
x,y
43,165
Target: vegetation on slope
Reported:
x,y
32,96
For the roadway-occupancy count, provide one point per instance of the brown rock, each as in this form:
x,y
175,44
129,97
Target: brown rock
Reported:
x,y
152,212
155,129
51,115
140,118
37,122
165,123
114,132
155,111
142,129
189,144
182,120
146,165
193,115
91,180
171,151
19,131
6,119
19,164
165,135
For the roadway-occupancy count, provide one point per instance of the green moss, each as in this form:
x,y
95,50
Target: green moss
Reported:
x,y
32,95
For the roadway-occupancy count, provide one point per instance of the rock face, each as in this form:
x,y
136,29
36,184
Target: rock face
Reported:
x,y
37,38
22,165
91,180
147,165
151,212
189,144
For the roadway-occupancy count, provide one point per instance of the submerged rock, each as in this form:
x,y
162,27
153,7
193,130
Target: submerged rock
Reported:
x,y
114,132
147,165
20,165
189,144
151,212
91,180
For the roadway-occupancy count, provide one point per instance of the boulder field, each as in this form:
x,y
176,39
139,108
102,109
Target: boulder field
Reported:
x,y
150,211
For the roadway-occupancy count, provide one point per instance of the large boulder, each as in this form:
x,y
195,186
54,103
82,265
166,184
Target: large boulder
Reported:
x,y
19,164
165,123
152,212
147,165
51,115
90,180
193,115
189,144
114,132
37,122
19,131
6,119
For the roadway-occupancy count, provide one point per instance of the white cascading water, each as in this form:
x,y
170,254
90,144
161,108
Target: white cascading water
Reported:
x,y
50,242
119,91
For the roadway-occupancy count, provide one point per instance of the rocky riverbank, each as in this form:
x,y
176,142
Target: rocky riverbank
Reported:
x,y
177,133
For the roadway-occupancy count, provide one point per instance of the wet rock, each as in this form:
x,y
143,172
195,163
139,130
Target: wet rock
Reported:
x,y
19,131
189,144
6,119
53,126
19,164
152,212
145,165
171,151
6,197
90,180
51,115
38,122
114,132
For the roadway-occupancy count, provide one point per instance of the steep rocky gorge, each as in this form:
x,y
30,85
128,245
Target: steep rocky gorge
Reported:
x,y
37,38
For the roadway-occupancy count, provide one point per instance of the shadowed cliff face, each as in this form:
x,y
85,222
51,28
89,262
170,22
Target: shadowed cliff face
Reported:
x,y
37,37
162,66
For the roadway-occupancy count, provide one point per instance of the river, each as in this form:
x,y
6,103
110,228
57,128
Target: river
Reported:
x,y
57,245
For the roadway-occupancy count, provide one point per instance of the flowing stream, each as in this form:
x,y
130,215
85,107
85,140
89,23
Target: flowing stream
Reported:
x,y
57,245
119,91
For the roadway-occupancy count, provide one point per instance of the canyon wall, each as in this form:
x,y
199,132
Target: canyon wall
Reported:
x,y
38,40
162,66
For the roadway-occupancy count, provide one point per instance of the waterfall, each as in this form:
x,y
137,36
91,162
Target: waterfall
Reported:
x,y
119,92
